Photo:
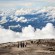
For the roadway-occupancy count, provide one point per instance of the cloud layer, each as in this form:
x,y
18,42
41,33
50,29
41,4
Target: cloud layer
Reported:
x,y
27,33
14,13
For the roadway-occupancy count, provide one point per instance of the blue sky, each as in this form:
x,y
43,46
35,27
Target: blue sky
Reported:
x,y
17,4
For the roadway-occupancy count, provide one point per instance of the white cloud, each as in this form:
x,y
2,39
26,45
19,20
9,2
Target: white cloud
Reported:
x,y
47,31
27,33
25,11
6,35
20,19
50,13
14,26
3,20
22,12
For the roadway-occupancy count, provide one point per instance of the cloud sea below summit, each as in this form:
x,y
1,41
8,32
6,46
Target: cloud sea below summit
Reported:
x,y
25,24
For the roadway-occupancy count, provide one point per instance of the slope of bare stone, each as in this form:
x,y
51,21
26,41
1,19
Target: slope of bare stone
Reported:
x,y
31,47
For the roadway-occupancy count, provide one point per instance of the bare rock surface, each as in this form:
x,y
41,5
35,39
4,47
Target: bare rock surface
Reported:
x,y
32,48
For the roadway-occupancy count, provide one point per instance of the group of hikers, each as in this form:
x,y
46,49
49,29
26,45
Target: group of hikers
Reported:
x,y
22,44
